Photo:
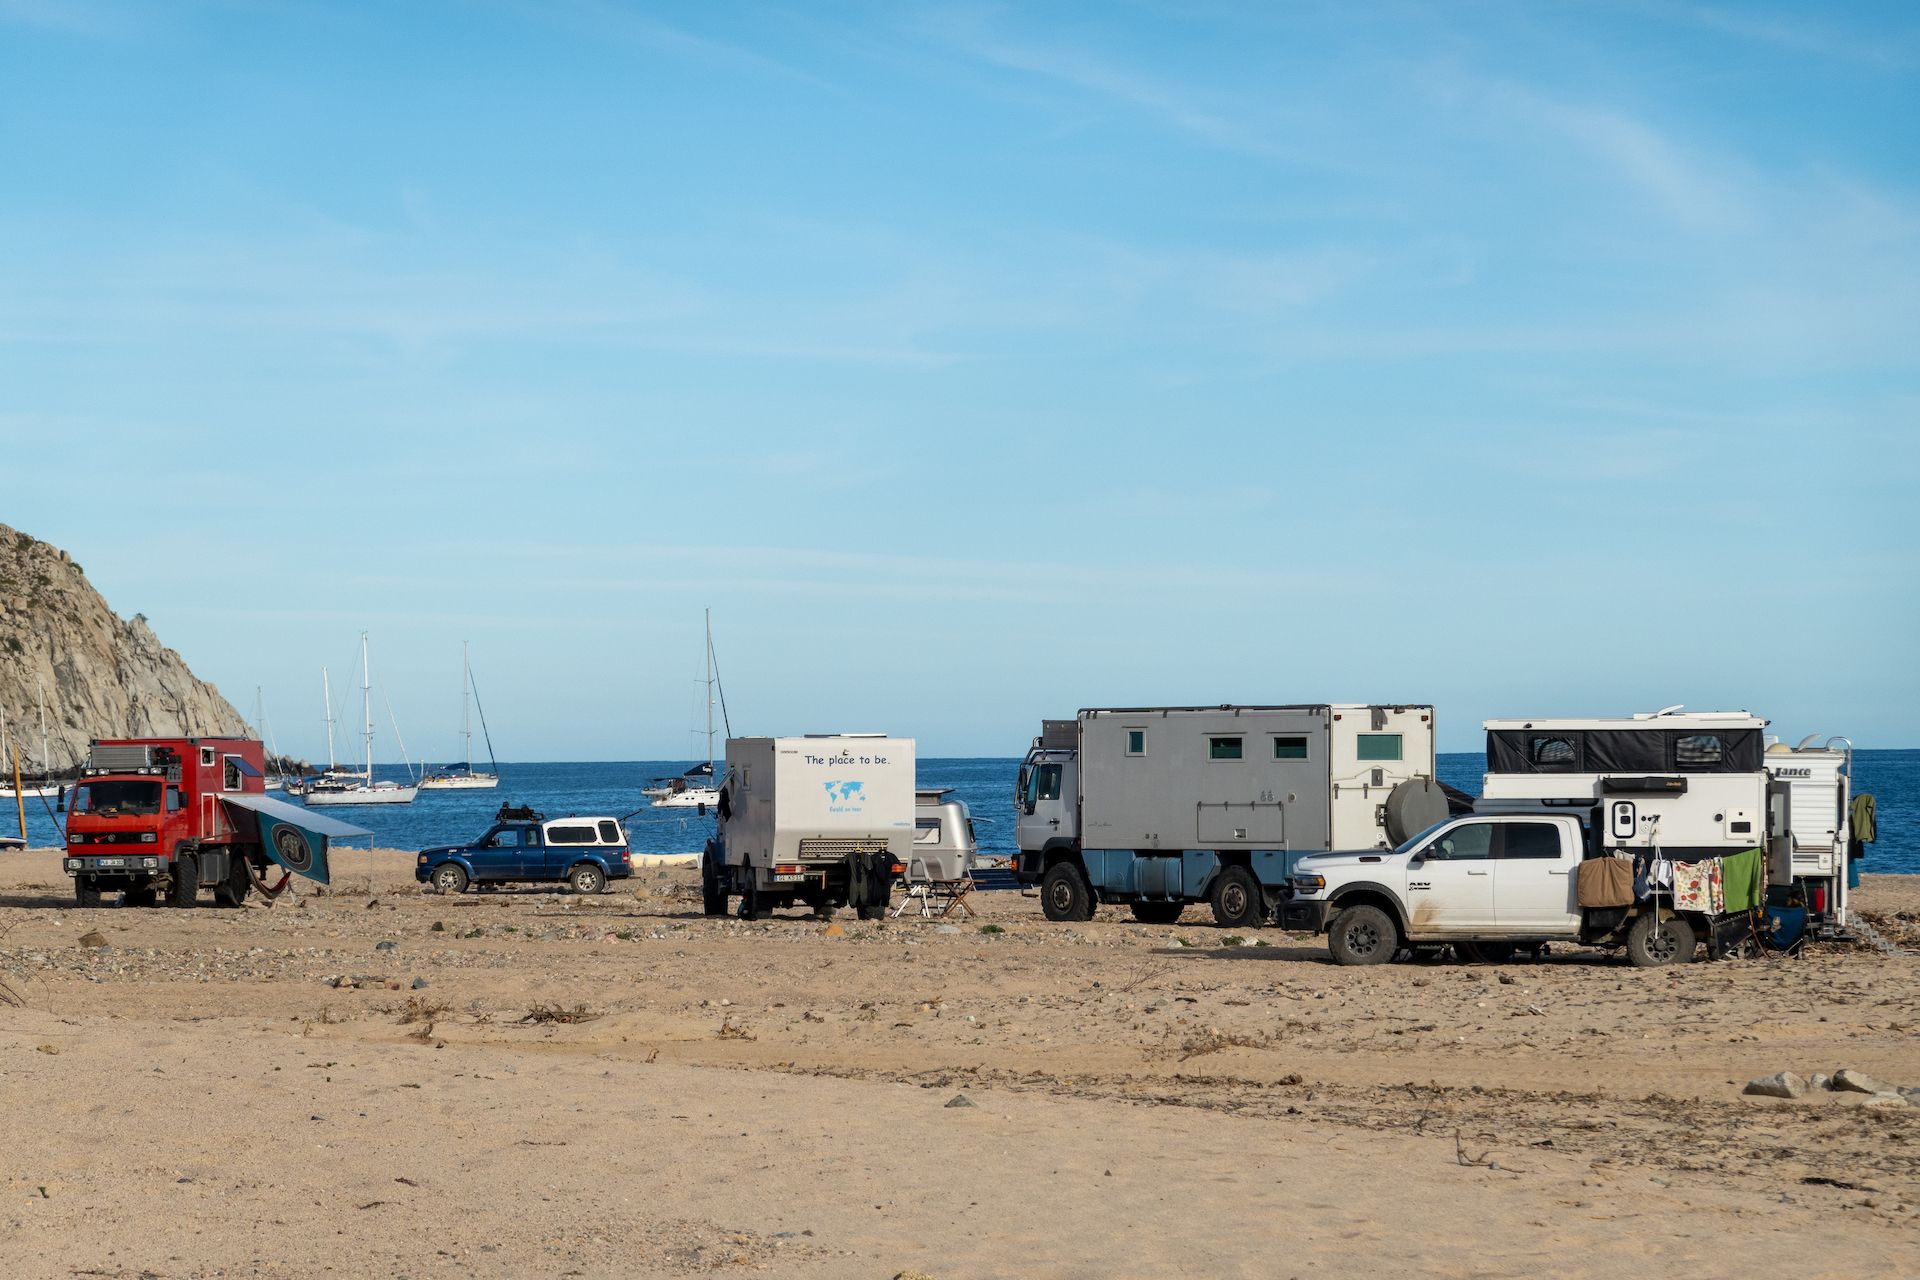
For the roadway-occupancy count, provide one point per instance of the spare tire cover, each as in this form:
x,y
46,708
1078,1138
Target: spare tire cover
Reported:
x,y
1413,806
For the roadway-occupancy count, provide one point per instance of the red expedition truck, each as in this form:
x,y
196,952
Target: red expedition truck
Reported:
x,y
146,820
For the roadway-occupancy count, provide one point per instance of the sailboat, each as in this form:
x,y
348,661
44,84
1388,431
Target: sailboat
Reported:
x,y
336,787
456,778
694,788
32,786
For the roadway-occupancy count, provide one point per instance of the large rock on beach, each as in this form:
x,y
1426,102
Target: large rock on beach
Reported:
x,y
104,676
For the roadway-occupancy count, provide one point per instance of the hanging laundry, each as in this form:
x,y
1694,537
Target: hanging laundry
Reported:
x,y
1693,886
1743,879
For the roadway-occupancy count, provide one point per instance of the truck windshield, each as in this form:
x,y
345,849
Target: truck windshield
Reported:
x,y
112,799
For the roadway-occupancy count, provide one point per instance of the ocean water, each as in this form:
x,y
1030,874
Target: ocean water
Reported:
x,y
558,789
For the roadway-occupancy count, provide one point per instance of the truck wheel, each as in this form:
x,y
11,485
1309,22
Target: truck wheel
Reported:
x,y
85,892
1237,900
587,878
1363,935
139,897
713,889
1157,912
1485,952
1653,942
449,878
238,885
1065,893
753,903
184,892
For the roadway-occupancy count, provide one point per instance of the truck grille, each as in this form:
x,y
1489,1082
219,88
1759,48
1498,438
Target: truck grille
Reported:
x,y
116,758
830,850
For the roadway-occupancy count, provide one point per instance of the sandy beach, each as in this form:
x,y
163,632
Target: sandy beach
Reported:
x,y
378,1081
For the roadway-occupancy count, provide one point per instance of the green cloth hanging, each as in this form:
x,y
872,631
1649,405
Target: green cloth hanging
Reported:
x,y
1862,818
1742,880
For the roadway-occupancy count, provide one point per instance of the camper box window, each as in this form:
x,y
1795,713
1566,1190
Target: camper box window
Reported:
x,y
1698,751
1290,748
1378,746
1136,742
1554,753
1223,748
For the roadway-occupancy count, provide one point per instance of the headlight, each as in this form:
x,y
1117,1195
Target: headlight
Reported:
x,y
76,838
147,837
1309,884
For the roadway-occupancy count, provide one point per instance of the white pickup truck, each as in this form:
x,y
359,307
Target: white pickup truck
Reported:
x,y
1488,885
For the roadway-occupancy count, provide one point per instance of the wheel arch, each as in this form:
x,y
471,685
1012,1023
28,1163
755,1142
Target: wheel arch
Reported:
x,y
1368,893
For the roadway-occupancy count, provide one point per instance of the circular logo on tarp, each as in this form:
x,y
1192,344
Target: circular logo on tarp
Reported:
x,y
291,847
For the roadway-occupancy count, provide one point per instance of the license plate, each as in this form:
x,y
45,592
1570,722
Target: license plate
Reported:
x,y
113,862
788,879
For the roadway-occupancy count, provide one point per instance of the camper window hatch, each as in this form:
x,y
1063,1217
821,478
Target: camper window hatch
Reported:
x,y
1378,746
1290,748
1223,748
1136,742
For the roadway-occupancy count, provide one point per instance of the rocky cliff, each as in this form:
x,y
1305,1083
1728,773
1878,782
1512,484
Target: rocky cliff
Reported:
x,y
102,677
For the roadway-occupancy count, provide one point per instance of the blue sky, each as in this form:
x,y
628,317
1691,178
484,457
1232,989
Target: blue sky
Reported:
x,y
975,362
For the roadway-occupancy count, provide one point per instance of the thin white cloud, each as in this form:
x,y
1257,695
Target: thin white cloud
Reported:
x,y
1896,50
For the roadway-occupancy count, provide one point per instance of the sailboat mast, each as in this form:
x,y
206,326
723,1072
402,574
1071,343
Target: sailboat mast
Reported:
x,y
366,703
466,703
326,691
709,616
46,762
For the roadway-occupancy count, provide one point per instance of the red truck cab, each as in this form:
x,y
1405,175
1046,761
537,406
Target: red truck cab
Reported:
x,y
146,820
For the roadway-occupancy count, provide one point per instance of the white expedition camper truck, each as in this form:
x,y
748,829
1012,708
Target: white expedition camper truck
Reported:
x,y
1158,807
826,819
1668,787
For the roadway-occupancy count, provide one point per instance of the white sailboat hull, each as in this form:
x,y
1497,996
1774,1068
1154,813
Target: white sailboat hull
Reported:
x,y
29,793
691,798
472,782
363,795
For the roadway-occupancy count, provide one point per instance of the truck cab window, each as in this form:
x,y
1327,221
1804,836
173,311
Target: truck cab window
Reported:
x,y
1530,840
1047,777
176,801
1468,842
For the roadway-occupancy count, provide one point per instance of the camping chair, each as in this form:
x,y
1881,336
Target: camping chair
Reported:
x,y
936,896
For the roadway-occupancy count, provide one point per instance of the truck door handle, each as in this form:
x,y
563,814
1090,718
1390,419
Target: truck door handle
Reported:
x,y
1559,871
1053,822
1476,871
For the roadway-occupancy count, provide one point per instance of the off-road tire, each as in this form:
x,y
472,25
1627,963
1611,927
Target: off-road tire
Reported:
x,y
755,905
184,891
238,885
1156,912
1363,935
140,897
1485,952
1653,942
713,888
1065,894
1237,900
449,878
587,878
85,892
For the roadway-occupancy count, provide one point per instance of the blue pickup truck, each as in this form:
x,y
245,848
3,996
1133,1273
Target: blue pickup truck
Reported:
x,y
586,852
